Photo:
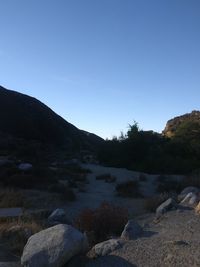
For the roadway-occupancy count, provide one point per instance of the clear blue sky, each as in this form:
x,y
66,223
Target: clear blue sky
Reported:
x,y
102,64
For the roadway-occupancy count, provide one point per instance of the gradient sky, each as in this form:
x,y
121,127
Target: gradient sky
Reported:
x,y
101,64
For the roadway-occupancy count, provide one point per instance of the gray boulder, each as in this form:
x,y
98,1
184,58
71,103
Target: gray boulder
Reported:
x,y
53,247
58,216
166,206
132,230
106,247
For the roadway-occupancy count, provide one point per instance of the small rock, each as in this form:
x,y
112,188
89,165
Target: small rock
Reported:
x,y
25,166
58,216
166,206
191,199
53,247
132,230
106,247
187,190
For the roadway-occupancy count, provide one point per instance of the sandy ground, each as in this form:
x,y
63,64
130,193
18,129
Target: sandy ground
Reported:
x,y
173,242
98,191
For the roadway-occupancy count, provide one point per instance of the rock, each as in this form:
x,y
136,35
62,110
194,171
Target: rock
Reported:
x,y
166,206
131,230
191,199
106,247
5,162
187,190
197,209
53,247
58,216
25,166
10,264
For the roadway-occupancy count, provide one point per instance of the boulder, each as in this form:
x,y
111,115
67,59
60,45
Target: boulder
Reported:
x,y
187,190
53,247
57,216
191,199
106,247
166,206
132,230
25,166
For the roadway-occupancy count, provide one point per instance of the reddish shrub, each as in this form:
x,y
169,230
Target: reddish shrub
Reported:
x,y
103,221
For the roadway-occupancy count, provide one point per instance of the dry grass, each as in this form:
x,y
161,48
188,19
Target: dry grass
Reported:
x,y
15,233
10,198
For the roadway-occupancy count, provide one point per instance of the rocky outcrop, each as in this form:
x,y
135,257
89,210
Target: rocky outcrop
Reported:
x,y
53,247
173,124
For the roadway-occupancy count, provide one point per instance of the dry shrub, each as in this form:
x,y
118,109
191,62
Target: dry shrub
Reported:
x,y
102,222
10,198
15,234
108,178
128,189
152,203
191,180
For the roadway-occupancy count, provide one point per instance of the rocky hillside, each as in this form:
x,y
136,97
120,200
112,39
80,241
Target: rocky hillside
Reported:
x,y
173,124
26,117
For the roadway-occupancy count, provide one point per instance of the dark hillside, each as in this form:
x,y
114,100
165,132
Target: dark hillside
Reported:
x,y
26,117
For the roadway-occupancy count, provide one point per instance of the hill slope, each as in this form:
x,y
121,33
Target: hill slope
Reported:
x,y
26,117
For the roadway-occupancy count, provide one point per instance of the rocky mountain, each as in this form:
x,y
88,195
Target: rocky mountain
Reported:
x,y
173,124
25,117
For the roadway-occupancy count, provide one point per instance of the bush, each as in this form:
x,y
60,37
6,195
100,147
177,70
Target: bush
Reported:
x,y
102,222
65,192
108,178
10,198
168,185
128,189
16,233
152,203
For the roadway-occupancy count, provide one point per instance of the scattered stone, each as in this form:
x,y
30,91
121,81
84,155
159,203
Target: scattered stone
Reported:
x,y
132,230
191,199
25,166
166,206
106,247
178,243
53,247
58,216
187,190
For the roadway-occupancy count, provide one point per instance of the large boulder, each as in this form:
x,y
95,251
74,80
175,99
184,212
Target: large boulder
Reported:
x,y
53,247
106,247
58,216
132,230
166,206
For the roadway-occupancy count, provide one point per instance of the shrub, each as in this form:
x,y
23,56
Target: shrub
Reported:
x,y
152,203
108,178
16,233
103,221
142,177
169,185
10,198
65,192
128,189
